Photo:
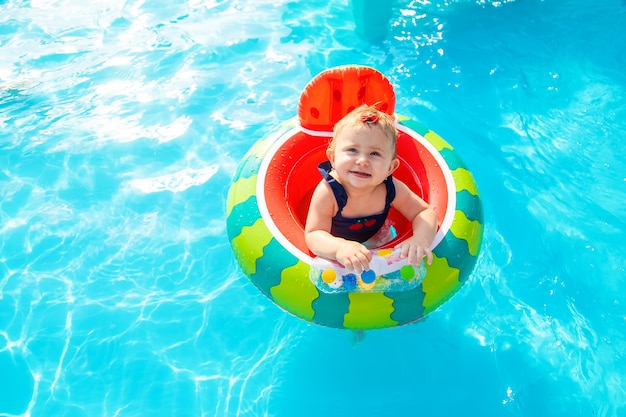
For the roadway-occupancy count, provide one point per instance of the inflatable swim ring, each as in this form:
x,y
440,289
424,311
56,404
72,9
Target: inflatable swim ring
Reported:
x,y
268,201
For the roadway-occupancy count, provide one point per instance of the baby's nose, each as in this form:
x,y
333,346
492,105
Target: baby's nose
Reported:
x,y
361,159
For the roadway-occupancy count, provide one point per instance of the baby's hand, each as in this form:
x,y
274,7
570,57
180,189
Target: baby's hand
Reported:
x,y
354,256
415,251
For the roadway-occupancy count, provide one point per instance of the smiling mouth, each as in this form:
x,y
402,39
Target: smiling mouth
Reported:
x,y
361,174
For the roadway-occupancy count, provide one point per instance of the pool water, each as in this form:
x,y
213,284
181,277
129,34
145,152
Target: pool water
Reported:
x,y
122,123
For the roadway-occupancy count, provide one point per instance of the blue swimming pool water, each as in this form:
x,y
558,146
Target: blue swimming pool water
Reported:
x,y
122,122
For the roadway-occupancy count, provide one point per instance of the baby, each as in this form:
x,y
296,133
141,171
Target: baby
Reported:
x,y
350,205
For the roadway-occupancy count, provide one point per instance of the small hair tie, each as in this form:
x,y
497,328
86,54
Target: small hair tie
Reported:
x,y
369,118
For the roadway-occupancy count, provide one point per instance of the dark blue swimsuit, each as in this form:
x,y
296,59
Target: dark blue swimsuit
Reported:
x,y
358,229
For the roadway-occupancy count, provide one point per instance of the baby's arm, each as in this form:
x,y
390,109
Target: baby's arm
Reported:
x,y
350,254
424,222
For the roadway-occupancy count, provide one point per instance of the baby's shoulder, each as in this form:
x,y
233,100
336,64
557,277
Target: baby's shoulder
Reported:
x,y
322,190
402,191
399,184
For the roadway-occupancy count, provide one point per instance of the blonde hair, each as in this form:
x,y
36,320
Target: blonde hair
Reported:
x,y
367,116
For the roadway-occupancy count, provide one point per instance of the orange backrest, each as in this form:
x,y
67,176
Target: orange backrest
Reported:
x,y
337,91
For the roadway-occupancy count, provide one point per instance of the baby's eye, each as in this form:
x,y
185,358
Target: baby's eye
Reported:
x,y
352,150
375,153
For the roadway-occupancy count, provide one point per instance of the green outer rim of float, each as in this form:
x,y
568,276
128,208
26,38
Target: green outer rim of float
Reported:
x,y
283,276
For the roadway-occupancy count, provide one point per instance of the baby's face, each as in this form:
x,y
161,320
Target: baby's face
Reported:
x,y
362,156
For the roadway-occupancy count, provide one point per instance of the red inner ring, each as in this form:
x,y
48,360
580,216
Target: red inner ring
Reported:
x,y
292,176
